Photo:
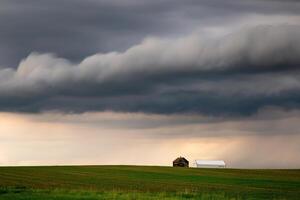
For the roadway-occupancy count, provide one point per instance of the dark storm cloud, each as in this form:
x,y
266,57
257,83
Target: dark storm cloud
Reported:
x,y
228,75
74,29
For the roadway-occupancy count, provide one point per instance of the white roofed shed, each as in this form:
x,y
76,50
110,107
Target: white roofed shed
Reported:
x,y
210,163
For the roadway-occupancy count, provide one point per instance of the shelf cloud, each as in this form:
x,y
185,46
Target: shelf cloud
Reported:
x,y
215,58
223,74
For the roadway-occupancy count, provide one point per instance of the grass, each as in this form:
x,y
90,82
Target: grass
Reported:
x,y
141,182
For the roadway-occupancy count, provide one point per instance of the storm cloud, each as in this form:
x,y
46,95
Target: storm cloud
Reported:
x,y
130,79
75,29
234,73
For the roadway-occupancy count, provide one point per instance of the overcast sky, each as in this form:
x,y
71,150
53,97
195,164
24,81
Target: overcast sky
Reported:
x,y
213,77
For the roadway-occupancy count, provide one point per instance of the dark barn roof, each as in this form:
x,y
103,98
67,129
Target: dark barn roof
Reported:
x,y
180,159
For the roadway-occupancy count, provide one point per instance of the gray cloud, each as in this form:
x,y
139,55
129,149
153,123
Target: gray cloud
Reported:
x,y
235,74
74,29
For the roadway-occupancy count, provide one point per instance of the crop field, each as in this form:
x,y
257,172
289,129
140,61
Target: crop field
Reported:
x,y
143,182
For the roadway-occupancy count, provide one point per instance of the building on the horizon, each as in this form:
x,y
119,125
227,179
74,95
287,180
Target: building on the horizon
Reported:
x,y
210,163
180,162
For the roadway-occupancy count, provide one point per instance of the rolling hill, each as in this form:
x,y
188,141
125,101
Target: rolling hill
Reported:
x,y
146,182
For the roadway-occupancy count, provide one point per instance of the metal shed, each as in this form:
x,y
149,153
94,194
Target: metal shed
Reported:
x,y
210,163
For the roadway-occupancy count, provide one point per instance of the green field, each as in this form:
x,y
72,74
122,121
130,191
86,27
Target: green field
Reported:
x,y
141,182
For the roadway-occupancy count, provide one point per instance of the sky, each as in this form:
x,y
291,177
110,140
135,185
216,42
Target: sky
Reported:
x,y
143,82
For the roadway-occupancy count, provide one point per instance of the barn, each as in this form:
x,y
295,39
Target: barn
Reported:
x,y
180,162
210,163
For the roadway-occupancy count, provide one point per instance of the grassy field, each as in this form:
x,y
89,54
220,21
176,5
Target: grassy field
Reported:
x,y
138,182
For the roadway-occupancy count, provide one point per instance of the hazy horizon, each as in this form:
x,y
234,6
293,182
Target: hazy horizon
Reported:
x,y
138,139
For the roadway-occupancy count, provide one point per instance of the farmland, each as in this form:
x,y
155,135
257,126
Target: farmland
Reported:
x,y
146,182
